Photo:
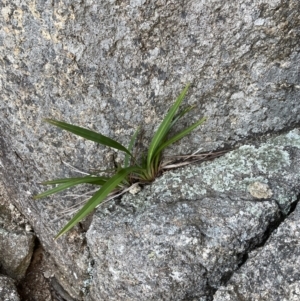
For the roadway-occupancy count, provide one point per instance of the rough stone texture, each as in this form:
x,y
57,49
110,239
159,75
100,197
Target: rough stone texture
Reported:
x,y
8,290
39,283
16,242
183,236
110,65
272,272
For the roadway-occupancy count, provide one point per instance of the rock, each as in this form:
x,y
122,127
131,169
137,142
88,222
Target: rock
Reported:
x,y
37,283
16,244
182,237
110,66
271,272
8,290
173,251
113,66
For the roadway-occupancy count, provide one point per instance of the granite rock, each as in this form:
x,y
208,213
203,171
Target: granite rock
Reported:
x,y
182,237
111,65
8,290
272,271
16,239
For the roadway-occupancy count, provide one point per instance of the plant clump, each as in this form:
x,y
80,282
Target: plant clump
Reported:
x,y
133,170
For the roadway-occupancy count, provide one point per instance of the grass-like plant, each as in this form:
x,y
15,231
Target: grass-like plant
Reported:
x,y
134,170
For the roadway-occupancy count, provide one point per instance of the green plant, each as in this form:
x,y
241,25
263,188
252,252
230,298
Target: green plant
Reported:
x,y
134,170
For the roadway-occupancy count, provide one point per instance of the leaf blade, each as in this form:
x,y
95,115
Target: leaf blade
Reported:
x,y
67,184
164,126
88,134
130,147
180,115
97,198
181,134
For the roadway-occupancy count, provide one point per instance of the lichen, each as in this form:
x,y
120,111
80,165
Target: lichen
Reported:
x,y
292,138
234,171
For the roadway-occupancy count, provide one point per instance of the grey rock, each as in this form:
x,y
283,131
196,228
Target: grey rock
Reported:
x,y
271,272
173,251
8,290
183,236
16,244
111,65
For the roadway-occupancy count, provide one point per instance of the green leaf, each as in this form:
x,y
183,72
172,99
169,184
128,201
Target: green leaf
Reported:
x,y
180,115
69,182
164,127
174,121
130,147
180,135
88,134
97,198
65,180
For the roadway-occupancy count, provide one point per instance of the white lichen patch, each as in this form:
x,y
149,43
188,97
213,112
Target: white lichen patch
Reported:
x,y
190,191
260,190
292,138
